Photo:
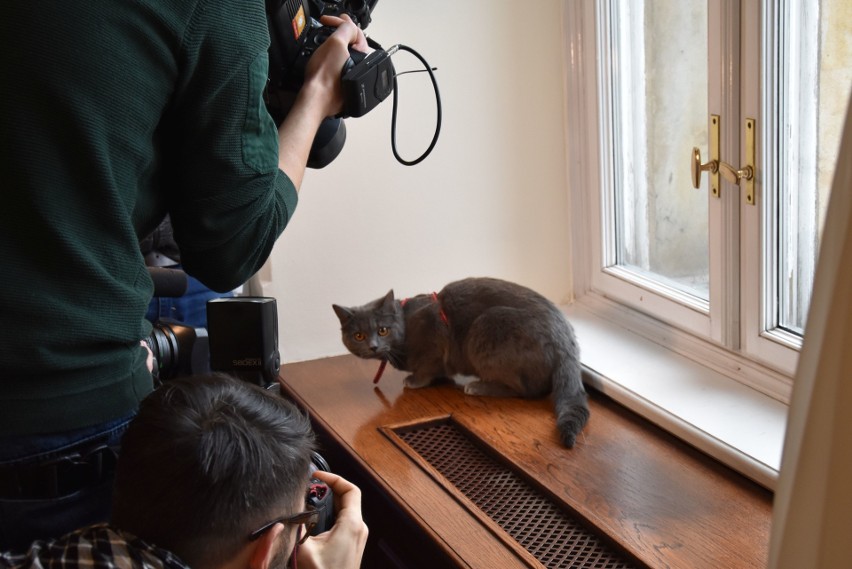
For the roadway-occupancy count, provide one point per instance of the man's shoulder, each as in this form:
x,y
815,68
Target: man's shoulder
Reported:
x,y
97,547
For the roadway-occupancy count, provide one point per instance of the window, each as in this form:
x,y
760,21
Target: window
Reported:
x,y
759,88
691,303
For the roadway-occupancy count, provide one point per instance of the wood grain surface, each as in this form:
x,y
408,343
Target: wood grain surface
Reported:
x,y
657,498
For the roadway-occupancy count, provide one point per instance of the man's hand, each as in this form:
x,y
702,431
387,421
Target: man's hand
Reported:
x,y
343,545
149,360
360,43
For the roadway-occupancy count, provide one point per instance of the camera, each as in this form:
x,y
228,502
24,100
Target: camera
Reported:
x,y
179,350
241,337
295,34
319,496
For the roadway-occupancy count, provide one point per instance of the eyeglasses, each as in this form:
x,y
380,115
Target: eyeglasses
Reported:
x,y
308,519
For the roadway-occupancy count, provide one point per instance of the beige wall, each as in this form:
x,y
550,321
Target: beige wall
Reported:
x,y
490,200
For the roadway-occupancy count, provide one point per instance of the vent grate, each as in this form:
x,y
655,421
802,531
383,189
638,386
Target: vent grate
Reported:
x,y
550,533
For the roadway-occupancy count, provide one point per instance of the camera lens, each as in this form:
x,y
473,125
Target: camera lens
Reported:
x,y
164,345
319,462
180,350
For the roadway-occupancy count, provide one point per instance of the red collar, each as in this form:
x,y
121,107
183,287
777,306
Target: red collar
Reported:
x,y
441,312
402,302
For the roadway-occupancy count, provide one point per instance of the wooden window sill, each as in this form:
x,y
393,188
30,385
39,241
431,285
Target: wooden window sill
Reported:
x,y
655,497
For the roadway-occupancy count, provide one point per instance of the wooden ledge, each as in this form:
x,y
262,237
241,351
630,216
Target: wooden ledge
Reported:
x,y
660,500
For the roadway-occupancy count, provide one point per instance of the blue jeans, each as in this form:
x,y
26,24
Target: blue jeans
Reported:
x,y
22,520
189,309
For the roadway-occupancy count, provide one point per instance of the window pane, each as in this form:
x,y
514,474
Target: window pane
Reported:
x,y
814,66
659,97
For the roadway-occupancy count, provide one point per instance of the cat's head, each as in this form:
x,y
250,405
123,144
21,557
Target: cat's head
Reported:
x,y
375,330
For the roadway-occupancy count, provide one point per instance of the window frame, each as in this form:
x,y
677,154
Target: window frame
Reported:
x,y
762,338
747,432
736,343
618,282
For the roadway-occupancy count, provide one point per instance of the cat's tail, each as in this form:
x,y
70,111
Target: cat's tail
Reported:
x,y
570,401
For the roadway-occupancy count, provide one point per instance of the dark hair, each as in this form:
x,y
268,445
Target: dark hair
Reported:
x,y
207,460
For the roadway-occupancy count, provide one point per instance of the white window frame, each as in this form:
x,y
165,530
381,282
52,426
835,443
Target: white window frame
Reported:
x,y
618,282
762,338
602,296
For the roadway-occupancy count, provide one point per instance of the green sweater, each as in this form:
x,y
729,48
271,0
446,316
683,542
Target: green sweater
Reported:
x,y
113,113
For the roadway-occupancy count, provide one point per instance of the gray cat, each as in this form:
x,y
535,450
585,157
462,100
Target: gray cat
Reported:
x,y
516,342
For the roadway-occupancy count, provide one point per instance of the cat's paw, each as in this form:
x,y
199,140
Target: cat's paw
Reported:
x,y
412,382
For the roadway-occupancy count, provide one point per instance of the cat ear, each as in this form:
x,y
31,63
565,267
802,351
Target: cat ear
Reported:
x,y
388,299
343,314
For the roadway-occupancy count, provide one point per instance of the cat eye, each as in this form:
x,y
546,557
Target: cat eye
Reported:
x,y
383,331
359,336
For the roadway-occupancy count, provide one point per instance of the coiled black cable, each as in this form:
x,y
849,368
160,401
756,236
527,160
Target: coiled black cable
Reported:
x,y
430,70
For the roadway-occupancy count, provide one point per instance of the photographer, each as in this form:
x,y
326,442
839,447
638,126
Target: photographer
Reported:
x,y
115,114
208,466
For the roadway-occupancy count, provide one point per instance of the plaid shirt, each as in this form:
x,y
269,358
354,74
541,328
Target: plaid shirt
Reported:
x,y
93,547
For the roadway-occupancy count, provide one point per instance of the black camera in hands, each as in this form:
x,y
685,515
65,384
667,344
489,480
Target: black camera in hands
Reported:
x,y
319,496
295,34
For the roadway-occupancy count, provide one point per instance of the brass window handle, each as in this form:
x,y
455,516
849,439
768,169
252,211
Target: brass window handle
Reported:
x,y
728,172
711,166
734,176
716,166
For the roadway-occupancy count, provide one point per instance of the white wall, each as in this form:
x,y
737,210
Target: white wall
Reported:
x,y
489,201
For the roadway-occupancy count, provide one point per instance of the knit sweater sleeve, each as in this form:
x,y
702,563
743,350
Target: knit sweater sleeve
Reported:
x,y
228,199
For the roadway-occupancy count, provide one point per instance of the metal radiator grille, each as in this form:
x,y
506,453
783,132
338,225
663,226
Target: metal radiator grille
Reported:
x,y
551,534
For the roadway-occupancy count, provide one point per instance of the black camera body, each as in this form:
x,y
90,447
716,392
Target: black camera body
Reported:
x,y
295,34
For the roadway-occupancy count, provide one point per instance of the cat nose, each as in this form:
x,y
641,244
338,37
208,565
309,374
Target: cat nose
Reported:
x,y
374,348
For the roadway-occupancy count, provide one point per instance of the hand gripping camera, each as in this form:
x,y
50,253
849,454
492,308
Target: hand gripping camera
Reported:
x,y
295,34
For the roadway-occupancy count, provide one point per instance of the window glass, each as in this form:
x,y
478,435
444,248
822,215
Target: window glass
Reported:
x,y
813,66
659,97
